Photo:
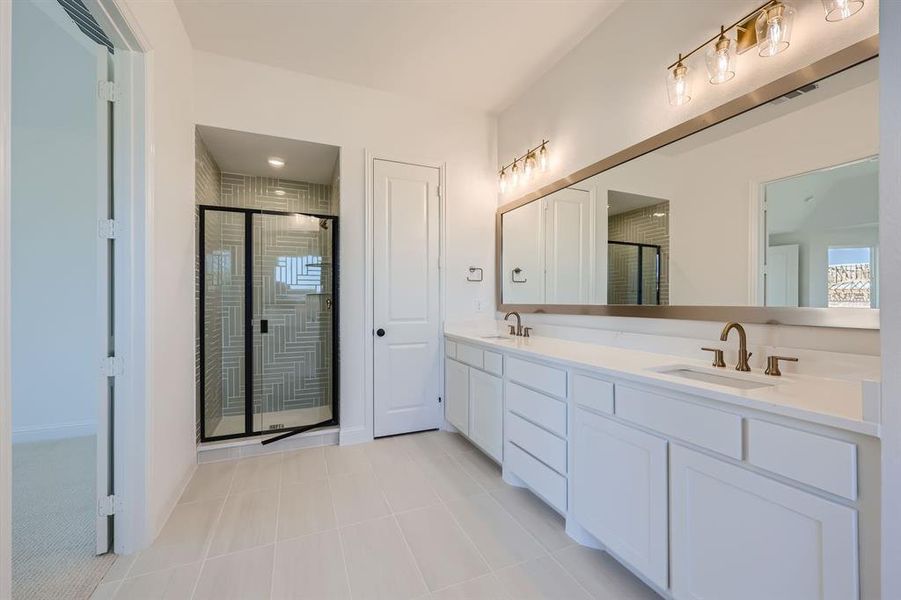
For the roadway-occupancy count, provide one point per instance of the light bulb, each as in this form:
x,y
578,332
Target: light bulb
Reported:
x,y
678,86
839,10
276,162
514,173
721,59
544,159
774,28
502,180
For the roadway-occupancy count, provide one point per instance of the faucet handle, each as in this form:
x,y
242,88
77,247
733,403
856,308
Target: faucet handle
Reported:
x,y
512,329
772,364
526,331
717,356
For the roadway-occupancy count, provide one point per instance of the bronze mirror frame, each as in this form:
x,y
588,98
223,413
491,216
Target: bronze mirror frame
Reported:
x,y
850,318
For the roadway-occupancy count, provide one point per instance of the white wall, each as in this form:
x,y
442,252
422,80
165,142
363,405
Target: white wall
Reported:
x,y
171,453
246,96
57,332
608,94
890,294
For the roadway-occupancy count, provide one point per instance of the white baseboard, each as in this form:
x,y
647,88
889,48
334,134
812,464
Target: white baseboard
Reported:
x,y
57,431
354,435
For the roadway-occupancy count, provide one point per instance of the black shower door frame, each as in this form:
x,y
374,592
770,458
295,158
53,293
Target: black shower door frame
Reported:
x,y
640,274
248,323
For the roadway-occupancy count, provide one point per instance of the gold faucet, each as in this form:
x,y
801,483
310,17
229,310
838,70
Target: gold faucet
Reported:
x,y
517,329
743,354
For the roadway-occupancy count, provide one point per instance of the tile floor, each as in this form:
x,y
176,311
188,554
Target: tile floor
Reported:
x,y
418,516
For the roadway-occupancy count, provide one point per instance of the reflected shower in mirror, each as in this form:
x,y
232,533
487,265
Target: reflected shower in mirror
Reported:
x,y
777,206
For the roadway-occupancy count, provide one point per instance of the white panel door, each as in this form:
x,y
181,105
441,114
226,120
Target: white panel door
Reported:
x,y
619,491
742,536
567,247
486,412
406,314
523,255
782,275
456,395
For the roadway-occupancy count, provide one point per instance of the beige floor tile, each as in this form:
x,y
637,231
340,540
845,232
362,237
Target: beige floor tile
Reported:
x,y
257,473
310,568
501,540
305,508
536,516
486,587
106,590
172,584
248,520
210,481
481,468
453,443
424,445
357,498
245,575
379,563
444,554
346,460
387,455
120,568
307,464
602,576
449,480
540,579
406,487
183,539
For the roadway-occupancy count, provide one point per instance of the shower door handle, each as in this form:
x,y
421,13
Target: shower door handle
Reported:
x,y
264,325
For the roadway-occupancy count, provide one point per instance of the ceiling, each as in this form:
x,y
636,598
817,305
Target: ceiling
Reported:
x,y
480,54
247,154
623,202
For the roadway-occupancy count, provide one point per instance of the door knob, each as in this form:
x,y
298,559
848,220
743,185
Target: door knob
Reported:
x,y
380,332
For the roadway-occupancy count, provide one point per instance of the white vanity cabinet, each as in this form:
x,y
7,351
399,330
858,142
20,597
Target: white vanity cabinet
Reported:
x,y
474,397
619,491
742,536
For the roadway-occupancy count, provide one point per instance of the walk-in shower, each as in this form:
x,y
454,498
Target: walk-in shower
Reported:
x,y
267,287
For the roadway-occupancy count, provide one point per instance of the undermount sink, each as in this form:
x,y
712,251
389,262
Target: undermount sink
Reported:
x,y
739,382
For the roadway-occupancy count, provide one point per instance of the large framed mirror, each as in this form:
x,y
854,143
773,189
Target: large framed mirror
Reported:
x,y
764,210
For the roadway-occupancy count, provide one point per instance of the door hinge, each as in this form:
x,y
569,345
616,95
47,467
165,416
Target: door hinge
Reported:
x,y
439,399
111,366
108,506
439,192
107,229
108,90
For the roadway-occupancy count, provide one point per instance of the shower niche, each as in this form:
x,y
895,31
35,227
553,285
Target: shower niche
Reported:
x,y
267,285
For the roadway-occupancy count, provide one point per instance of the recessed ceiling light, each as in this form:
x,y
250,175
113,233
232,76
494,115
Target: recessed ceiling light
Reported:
x,y
276,162
658,215
279,192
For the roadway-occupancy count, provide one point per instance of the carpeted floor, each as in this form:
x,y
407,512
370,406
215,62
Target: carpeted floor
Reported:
x,y
54,507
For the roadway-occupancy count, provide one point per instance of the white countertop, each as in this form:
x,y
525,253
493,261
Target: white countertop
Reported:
x,y
833,402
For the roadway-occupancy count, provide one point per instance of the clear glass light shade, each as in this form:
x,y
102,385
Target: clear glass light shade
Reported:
x,y
678,85
515,174
839,10
530,165
502,181
721,61
544,158
774,29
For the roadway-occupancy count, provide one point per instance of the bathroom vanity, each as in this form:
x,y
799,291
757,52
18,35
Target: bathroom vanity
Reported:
x,y
705,482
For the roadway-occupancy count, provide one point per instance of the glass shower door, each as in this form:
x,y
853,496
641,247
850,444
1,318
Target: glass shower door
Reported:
x,y
293,317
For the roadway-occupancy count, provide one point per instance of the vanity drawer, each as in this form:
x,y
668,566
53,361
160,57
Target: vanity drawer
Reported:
x,y
538,408
592,393
540,377
824,463
543,445
494,362
470,355
709,428
542,480
450,349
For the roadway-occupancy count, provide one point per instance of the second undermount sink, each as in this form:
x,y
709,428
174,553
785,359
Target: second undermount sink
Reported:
x,y
739,382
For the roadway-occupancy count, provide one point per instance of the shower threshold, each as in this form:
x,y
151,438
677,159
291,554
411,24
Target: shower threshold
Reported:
x,y
282,419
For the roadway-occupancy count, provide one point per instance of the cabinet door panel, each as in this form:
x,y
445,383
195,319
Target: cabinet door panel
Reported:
x,y
486,412
619,491
742,536
456,392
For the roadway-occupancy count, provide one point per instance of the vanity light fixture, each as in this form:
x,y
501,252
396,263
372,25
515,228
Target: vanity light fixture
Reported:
x,y
523,167
774,28
678,85
275,161
839,10
721,59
